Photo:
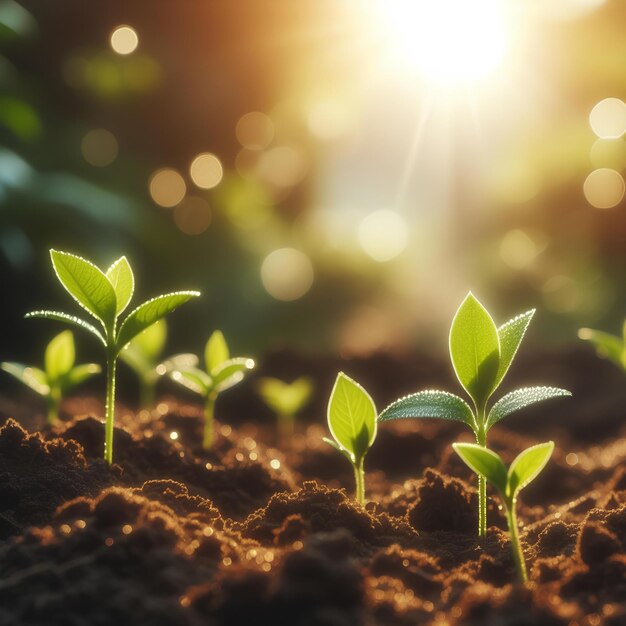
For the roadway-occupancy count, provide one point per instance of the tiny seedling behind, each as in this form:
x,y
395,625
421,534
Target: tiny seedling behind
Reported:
x,y
352,423
285,399
524,469
59,375
105,296
607,346
481,355
221,372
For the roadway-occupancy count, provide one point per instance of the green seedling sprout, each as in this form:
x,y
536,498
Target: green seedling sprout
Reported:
x,y
524,469
105,296
222,372
285,399
142,355
607,346
481,355
59,374
352,423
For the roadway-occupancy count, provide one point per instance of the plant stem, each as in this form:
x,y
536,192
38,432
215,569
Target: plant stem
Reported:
x,y
481,440
209,411
54,400
359,479
110,408
285,426
516,548
146,393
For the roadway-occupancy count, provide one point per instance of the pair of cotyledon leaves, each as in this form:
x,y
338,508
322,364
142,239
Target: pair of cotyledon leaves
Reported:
x,y
481,355
286,399
59,369
221,373
525,468
105,296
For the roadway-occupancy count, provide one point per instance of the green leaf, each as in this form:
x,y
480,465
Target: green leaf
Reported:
x,y
151,341
337,447
69,319
351,413
230,372
216,351
150,312
87,285
475,349
178,362
527,466
60,356
120,275
79,374
193,379
521,398
483,462
607,346
32,377
510,336
285,398
430,404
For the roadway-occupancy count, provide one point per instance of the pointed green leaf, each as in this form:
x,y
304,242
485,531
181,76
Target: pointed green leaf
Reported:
x,y
87,285
60,356
351,413
430,404
135,359
216,351
193,379
475,349
527,466
231,372
80,374
521,398
32,377
483,462
150,312
337,447
178,362
69,319
285,398
511,335
120,275
607,346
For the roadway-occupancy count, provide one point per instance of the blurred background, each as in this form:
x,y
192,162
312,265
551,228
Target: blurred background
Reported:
x,y
333,175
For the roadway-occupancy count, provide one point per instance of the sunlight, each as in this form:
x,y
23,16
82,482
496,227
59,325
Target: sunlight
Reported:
x,y
446,41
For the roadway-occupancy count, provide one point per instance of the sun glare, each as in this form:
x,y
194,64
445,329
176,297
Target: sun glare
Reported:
x,y
446,41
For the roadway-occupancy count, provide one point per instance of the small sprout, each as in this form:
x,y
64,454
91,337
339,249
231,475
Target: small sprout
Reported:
x,y
481,355
105,296
285,399
59,374
524,469
352,423
142,355
607,346
222,372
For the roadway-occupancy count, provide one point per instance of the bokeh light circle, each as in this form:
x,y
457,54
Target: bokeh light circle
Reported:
x,y
124,40
167,187
287,274
206,171
193,215
604,188
254,131
383,235
608,118
99,147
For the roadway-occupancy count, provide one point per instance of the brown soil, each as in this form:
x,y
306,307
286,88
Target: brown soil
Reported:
x,y
256,533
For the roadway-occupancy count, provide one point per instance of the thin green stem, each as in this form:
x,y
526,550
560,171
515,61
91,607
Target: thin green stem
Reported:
x,y
209,412
285,426
516,548
359,479
147,389
110,407
481,440
54,401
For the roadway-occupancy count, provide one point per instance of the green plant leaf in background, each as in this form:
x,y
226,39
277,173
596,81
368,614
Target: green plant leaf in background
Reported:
x,y
59,356
216,351
121,277
230,372
475,350
431,403
32,377
285,398
607,346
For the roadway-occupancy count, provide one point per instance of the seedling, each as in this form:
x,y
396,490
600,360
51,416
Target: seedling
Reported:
x,y
524,469
607,346
352,423
285,399
105,296
481,355
59,374
222,372
142,355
